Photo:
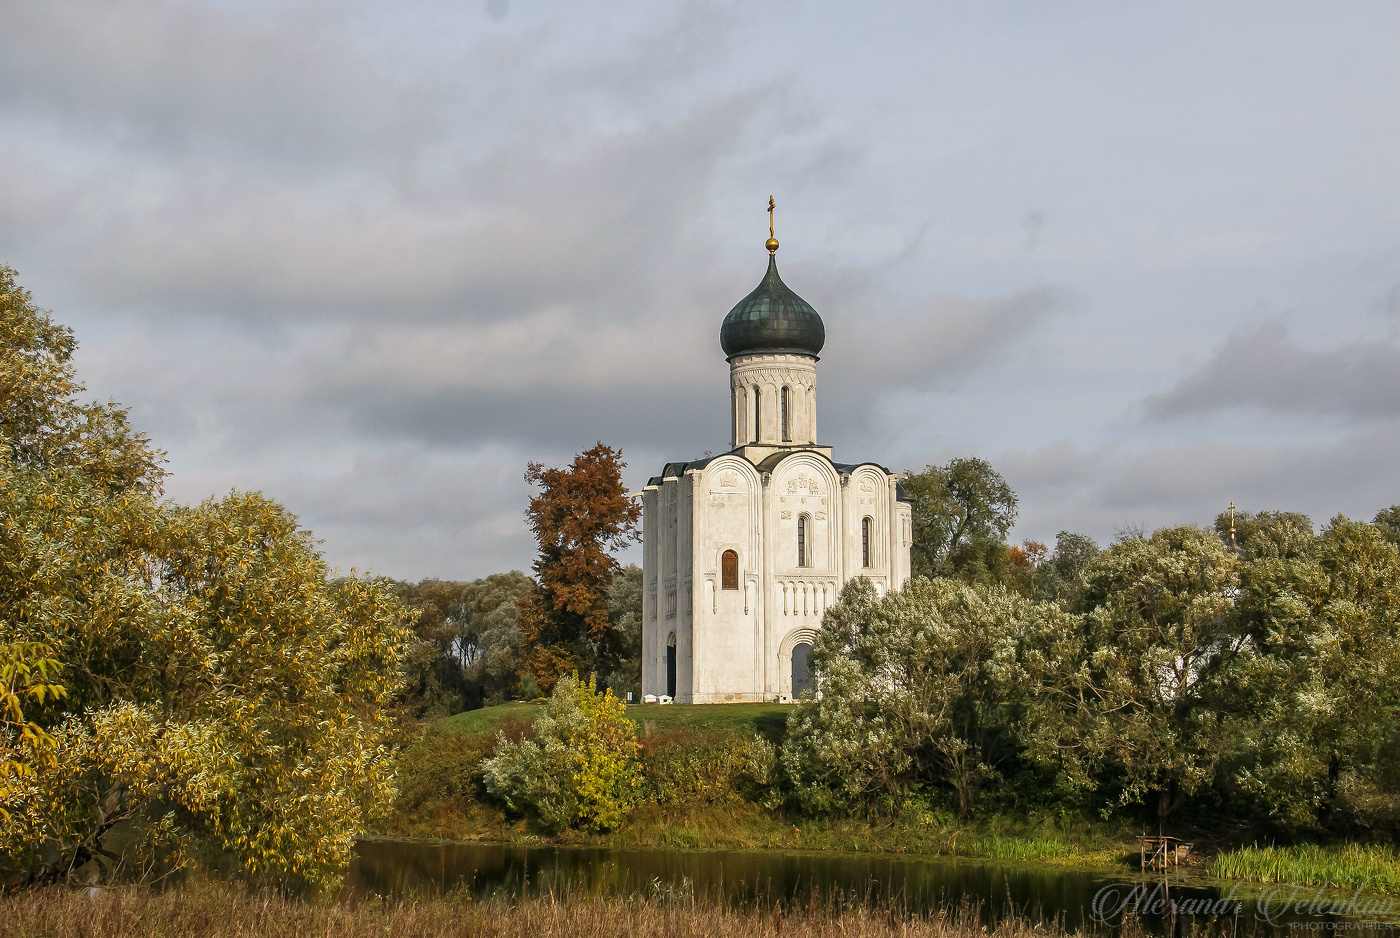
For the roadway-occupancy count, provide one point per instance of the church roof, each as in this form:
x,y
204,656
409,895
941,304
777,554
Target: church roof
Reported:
x,y
772,319
675,470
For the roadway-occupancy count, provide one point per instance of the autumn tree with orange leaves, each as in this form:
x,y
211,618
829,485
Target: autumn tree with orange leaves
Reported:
x,y
580,516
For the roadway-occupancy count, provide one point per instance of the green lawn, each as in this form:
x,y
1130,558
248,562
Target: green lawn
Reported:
x,y
766,718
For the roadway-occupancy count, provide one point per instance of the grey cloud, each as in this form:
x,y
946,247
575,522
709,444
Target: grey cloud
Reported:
x,y
404,511
544,376
593,222
694,39
1265,368
944,337
873,353
1101,490
165,71
682,418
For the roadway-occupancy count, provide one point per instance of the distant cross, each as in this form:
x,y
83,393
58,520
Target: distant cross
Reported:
x,y
771,205
1233,545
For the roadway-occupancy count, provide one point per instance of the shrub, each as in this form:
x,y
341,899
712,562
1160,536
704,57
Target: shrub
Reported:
x,y
441,766
580,767
713,769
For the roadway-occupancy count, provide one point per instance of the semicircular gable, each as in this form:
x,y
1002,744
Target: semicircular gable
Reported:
x,y
731,474
871,482
793,470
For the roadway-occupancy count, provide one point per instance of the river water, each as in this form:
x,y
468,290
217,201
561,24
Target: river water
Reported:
x,y
1090,901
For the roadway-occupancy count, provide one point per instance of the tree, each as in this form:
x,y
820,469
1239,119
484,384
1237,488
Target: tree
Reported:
x,y
579,516
1317,688
1060,578
578,769
961,513
919,691
435,683
43,424
466,655
1250,527
489,646
625,612
26,674
1159,647
1387,521
224,695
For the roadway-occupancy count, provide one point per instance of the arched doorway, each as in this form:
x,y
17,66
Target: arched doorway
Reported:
x,y
801,669
671,666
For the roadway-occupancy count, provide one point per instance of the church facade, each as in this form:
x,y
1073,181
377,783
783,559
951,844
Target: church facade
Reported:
x,y
743,552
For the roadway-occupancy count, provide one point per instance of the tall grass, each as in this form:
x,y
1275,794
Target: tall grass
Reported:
x,y
1351,865
995,847
222,912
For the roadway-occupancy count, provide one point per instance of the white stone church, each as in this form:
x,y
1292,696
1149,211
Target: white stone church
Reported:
x,y
744,551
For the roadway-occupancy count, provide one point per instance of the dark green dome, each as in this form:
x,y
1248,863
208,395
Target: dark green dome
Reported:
x,y
772,319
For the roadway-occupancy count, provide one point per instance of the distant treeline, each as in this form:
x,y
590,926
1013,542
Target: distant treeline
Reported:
x,y
467,653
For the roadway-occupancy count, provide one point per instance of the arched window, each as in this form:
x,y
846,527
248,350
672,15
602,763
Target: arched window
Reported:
x,y
729,570
757,416
802,540
787,433
865,542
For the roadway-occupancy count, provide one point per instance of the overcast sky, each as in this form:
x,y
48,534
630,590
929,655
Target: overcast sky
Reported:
x,y
371,258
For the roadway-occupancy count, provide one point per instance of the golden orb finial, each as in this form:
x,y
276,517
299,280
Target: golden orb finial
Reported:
x,y
772,244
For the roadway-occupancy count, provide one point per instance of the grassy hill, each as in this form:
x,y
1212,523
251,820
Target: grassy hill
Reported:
x,y
768,719
697,793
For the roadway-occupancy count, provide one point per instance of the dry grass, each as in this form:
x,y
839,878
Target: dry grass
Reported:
x,y
219,911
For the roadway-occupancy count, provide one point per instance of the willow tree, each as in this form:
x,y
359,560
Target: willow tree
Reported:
x,y
922,689
1146,691
226,697
1317,686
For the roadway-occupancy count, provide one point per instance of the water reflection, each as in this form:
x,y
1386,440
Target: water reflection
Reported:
x,y
752,876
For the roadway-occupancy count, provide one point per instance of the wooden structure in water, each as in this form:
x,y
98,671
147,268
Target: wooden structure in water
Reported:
x,y
1163,853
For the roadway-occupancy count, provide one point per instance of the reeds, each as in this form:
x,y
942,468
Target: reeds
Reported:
x,y
220,911
994,847
1350,865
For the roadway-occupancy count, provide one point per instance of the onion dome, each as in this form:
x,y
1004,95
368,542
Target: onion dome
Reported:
x,y
772,319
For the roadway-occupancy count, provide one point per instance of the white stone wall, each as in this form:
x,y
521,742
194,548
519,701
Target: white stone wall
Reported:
x,y
729,624
756,386
736,645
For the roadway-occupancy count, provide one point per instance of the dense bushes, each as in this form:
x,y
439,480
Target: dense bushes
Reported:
x,y
1176,671
714,768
